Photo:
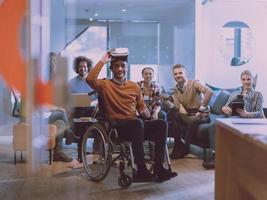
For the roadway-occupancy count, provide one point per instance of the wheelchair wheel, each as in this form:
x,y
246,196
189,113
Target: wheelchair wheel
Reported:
x,y
96,154
124,181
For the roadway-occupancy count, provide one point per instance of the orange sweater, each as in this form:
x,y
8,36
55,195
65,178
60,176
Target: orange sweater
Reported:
x,y
120,101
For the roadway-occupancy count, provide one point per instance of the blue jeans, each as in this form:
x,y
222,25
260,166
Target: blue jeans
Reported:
x,y
162,115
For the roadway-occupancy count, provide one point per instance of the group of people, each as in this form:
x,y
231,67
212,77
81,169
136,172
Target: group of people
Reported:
x,y
137,108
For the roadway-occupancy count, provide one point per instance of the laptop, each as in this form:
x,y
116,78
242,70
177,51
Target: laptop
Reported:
x,y
80,100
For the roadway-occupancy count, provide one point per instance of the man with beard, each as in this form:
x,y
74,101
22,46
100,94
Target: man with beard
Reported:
x,y
82,66
122,100
189,109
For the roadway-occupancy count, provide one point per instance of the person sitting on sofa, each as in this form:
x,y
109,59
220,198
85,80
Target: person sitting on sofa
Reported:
x,y
253,108
190,109
151,94
253,100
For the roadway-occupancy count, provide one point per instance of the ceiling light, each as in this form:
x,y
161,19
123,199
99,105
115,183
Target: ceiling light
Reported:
x,y
123,10
96,14
90,19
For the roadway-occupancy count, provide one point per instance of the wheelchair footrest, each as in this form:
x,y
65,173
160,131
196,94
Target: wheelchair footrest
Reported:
x,y
139,179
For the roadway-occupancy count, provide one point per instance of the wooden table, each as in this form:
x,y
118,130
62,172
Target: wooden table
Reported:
x,y
241,159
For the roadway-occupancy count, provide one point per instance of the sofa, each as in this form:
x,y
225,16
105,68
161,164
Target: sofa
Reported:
x,y
217,101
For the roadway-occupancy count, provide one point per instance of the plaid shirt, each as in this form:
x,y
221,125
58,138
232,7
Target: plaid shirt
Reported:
x,y
253,103
154,98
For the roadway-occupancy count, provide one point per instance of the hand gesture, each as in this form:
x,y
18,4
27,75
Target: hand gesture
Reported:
x,y
227,110
145,114
198,114
155,115
106,57
242,113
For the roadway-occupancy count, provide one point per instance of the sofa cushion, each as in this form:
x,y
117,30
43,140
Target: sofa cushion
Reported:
x,y
214,97
219,102
231,90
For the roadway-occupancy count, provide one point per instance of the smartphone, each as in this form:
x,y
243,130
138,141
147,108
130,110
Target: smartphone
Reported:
x,y
235,106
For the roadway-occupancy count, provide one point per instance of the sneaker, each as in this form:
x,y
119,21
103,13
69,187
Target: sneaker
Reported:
x,y
164,174
60,156
210,163
75,164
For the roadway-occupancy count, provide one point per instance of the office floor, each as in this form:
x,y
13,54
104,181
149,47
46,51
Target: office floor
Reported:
x,y
61,181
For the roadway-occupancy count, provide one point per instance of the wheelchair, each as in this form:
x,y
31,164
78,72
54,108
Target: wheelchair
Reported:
x,y
101,149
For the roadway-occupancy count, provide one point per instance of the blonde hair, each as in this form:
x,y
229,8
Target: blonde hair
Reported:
x,y
246,72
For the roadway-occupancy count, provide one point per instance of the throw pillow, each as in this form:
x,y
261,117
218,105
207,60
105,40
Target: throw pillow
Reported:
x,y
219,102
214,97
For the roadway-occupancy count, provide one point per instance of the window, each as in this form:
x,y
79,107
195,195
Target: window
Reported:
x,y
91,43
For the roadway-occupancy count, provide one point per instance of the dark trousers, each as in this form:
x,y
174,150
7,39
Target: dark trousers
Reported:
x,y
183,124
137,130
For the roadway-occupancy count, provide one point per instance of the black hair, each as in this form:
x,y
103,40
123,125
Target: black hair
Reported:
x,y
79,59
114,59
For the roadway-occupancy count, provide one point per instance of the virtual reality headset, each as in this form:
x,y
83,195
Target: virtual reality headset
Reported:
x,y
119,54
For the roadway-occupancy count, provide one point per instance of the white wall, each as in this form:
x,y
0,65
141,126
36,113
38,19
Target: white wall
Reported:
x,y
210,18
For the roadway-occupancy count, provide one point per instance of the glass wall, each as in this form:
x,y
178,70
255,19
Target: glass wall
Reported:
x,y
141,38
91,42
155,34
70,28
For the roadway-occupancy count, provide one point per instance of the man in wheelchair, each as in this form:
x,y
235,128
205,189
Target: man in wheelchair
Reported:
x,y
122,100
